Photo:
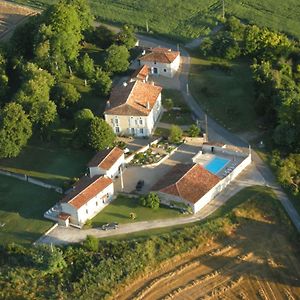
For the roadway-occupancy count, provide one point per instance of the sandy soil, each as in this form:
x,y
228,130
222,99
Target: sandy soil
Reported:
x,y
11,15
255,262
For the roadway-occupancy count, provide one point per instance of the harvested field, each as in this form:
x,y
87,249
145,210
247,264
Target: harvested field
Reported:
x,y
256,261
11,15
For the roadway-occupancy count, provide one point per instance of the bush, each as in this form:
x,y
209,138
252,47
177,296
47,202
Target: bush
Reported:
x,y
91,243
194,130
151,200
175,135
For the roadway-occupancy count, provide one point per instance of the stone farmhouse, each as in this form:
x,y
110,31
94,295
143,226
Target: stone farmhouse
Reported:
x,y
134,108
161,61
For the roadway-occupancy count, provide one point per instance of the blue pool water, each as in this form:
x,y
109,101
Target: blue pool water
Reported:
x,y
216,164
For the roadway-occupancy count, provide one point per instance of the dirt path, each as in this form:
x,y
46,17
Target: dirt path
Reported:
x,y
255,262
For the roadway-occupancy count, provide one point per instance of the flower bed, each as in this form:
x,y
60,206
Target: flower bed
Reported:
x,y
148,157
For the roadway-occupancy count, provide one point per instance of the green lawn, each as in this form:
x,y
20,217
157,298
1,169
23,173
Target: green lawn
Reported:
x,y
226,95
178,117
49,162
22,206
266,197
190,18
119,210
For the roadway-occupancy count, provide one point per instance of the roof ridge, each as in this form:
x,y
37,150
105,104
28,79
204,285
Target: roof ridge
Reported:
x,y
107,154
129,95
88,186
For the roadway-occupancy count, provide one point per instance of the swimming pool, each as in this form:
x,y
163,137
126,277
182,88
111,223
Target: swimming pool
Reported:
x,y
216,164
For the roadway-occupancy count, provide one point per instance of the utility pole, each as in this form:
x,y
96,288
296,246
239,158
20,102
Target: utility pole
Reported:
x,y
206,128
121,176
223,9
147,26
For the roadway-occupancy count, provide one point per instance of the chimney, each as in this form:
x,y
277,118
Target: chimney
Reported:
x,y
107,104
125,83
148,105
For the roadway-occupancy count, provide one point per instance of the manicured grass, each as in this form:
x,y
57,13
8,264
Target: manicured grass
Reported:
x,y
265,196
22,206
120,209
49,162
226,95
178,117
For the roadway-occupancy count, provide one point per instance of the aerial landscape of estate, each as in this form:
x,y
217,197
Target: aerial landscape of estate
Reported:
x,y
150,149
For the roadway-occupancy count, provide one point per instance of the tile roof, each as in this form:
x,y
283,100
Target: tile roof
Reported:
x,y
106,159
86,189
187,181
134,99
64,216
161,55
141,73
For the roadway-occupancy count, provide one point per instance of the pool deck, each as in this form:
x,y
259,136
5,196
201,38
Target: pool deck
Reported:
x,y
205,158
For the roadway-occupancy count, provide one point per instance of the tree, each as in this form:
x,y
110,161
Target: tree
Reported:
x,y
194,130
3,77
151,200
127,37
48,259
289,173
91,243
65,95
101,135
102,37
86,67
206,46
102,83
83,120
132,216
175,134
43,114
15,130
116,59
168,104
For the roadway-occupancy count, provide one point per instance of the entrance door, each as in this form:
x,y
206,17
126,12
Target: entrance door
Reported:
x,y
155,71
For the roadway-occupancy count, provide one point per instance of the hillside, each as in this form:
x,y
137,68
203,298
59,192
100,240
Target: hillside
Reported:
x,y
188,19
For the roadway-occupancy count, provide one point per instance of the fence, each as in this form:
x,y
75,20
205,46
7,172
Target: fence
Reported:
x,y
26,178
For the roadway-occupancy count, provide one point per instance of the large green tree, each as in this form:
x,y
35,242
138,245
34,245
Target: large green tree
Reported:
x,y
15,130
83,119
102,83
117,59
127,37
101,135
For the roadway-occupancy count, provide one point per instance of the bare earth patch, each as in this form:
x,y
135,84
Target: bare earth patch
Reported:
x,y
255,262
11,15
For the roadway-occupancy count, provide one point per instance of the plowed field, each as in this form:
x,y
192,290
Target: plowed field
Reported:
x,y
257,261
10,16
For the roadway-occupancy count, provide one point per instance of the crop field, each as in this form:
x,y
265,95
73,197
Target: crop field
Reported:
x,y
256,260
11,15
190,18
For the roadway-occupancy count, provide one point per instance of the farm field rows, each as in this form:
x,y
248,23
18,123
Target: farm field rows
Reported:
x,y
189,19
254,262
11,15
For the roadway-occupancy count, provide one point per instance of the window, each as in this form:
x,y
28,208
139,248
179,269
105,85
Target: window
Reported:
x,y
96,203
141,121
155,62
165,70
116,120
87,211
117,129
107,195
141,131
132,130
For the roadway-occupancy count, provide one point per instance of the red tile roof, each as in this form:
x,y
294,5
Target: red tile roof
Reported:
x,y
106,159
189,182
86,189
134,99
141,73
64,216
160,55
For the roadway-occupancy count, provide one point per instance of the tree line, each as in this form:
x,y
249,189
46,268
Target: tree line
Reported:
x,y
276,72
37,66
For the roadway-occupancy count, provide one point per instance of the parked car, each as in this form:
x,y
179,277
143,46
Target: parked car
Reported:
x,y
184,211
109,226
139,185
